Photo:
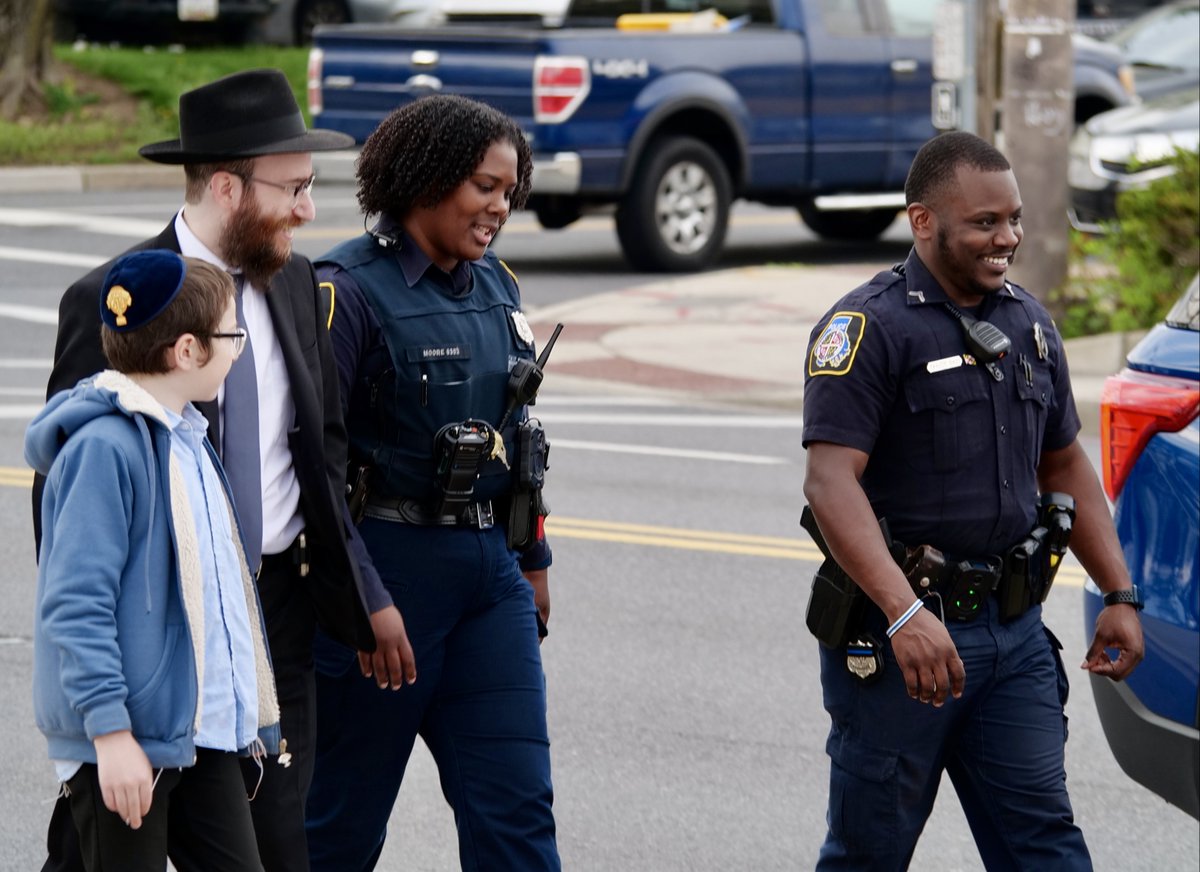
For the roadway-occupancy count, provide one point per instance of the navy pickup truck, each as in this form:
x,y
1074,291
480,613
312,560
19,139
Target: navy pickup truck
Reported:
x,y
815,104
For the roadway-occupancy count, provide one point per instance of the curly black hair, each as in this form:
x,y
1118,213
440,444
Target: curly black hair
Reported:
x,y
934,167
422,151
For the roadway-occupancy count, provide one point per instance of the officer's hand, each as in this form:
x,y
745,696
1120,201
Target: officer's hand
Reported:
x,y
927,657
1116,627
539,579
392,663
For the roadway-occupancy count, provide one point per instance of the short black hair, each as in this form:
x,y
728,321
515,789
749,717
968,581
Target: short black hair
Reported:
x,y
422,151
938,160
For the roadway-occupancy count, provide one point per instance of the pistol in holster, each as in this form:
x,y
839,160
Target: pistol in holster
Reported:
x,y
1031,564
837,604
357,489
527,507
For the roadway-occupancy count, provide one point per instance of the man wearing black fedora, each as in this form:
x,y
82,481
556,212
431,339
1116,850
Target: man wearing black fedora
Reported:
x,y
246,154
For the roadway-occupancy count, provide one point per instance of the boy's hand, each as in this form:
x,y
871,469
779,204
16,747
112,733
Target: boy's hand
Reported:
x,y
126,779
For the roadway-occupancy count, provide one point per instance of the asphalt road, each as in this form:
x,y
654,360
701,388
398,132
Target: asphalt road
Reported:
x,y
684,701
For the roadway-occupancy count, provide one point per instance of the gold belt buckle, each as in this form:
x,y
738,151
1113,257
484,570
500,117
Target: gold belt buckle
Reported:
x,y
302,542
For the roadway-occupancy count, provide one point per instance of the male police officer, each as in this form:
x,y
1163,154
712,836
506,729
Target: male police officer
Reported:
x,y
951,439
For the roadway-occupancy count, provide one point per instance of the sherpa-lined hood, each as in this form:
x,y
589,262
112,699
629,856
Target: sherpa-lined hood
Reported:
x,y
68,411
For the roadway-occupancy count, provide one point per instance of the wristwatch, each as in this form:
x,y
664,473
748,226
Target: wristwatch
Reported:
x,y
1130,596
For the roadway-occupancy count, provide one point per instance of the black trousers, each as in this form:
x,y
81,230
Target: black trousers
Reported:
x,y
198,817
278,806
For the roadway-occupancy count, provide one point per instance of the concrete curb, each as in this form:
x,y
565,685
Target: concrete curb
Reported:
x,y
332,167
77,179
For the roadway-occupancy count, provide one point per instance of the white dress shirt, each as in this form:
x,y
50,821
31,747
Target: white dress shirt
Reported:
x,y
282,520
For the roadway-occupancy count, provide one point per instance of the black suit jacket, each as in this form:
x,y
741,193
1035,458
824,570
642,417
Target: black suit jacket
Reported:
x,y
318,441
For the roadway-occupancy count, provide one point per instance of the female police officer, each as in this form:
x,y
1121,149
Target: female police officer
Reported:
x,y
427,329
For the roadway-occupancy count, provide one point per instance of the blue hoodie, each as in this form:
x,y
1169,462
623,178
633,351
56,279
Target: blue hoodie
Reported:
x,y
119,627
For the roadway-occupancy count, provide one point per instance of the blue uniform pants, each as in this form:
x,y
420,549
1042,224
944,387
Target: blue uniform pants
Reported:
x,y
479,703
1001,743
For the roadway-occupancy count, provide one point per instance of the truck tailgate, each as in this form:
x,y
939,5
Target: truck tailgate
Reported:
x,y
368,71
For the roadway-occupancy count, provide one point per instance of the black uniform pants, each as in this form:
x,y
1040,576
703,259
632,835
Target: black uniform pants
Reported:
x,y
278,804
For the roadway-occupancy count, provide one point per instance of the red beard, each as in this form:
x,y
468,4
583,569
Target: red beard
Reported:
x,y
250,242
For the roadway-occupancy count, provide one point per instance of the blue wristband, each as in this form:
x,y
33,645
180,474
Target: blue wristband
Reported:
x,y
903,619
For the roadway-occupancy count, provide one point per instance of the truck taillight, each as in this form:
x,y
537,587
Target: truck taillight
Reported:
x,y
1133,407
560,84
316,62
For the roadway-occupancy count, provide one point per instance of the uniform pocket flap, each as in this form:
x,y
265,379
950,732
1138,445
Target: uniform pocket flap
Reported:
x,y
863,761
945,391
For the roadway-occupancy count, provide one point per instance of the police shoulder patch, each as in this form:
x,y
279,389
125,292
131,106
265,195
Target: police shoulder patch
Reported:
x,y
329,301
833,351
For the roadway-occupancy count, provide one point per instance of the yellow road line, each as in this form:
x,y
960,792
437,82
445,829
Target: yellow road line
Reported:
x,y
593,223
712,541
16,476
715,541
617,526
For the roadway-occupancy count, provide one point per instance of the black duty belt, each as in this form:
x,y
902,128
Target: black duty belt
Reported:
x,y
295,556
959,587
407,511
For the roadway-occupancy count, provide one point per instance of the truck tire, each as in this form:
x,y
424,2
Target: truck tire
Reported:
x,y
848,224
555,212
675,214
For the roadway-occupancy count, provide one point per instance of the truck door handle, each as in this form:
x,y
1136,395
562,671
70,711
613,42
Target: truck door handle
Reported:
x,y
904,65
424,82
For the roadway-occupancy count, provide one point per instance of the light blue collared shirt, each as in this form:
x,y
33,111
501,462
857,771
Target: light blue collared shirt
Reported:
x,y
229,713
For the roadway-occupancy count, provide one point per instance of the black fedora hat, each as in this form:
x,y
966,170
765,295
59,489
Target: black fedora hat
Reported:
x,y
245,114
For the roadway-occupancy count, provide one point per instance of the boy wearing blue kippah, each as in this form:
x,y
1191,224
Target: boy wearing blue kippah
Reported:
x,y
151,670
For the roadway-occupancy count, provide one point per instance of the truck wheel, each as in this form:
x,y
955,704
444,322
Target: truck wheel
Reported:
x,y
676,212
555,213
847,224
310,13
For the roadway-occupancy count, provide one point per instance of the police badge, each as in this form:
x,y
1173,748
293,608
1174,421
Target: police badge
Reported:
x,y
863,658
521,325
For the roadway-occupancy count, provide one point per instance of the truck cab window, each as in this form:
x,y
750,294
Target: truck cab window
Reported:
x,y
844,17
760,11
912,17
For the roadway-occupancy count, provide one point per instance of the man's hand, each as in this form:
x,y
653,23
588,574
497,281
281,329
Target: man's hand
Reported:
x,y
392,663
1117,627
126,779
927,657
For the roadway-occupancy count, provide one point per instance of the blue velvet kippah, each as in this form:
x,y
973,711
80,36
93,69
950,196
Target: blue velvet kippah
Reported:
x,y
138,287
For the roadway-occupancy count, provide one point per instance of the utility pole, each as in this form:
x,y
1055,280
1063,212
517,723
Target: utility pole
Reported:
x,y
1036,120
985,33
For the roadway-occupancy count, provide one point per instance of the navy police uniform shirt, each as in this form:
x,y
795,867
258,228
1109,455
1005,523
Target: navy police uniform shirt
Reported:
x,y
953,452
358,340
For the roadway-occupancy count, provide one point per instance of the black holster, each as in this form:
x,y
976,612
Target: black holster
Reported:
x,y
357,489
527,507
837,605
1031,564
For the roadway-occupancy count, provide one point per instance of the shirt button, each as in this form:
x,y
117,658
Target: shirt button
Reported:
x,y
949,401
1003,430
1043,396
1006,484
